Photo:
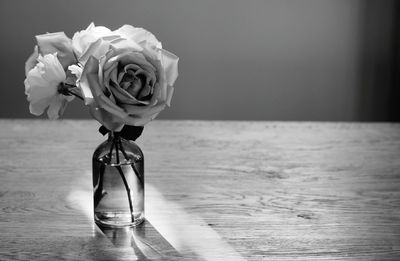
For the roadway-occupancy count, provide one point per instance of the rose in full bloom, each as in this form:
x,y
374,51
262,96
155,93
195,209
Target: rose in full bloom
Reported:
x,y
45,70
127,77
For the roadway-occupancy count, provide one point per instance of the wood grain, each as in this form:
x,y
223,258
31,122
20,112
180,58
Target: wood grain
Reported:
x,y
269,190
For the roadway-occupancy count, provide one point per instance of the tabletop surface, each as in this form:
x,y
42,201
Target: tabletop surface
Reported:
x,y
215,190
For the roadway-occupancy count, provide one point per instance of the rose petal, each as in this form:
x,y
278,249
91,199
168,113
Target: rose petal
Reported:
x,y
170,92
170,65
132,66
117,79
56,107
161,81
109,73
149,75
128,57
135,58
91,68
104,102
36,88
57,43
97,49
37,108
126,45
143,110
107,119
156,94
32,60
136,121
83,39
145,91
109,106
113,77
125,97
142,119
166,75
138,35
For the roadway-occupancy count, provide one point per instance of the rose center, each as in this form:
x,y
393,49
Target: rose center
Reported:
x,y
136,85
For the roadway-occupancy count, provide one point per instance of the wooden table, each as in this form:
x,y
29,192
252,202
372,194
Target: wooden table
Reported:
x,y
214,191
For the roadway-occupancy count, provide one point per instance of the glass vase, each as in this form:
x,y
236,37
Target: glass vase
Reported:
x,y
118,183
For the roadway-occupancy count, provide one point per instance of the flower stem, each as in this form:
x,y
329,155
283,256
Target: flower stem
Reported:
x,y
138,175
116,148
116,140
68,90
110,153
128,192
99,192
75,94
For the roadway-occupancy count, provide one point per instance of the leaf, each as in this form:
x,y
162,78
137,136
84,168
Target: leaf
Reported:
x,y
128,132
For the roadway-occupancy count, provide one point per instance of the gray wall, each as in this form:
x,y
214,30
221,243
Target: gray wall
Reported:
x,y
239,60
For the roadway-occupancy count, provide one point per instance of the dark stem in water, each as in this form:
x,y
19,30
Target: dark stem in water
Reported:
x,y
117,140
128,191
138,175
99,193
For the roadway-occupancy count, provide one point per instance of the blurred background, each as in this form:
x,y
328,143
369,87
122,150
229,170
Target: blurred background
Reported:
x,y
301,60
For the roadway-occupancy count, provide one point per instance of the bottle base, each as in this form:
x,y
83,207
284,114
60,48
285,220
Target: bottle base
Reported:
x,y
118,219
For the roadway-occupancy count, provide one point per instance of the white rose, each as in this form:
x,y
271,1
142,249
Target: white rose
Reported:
x,y
41,85
81,41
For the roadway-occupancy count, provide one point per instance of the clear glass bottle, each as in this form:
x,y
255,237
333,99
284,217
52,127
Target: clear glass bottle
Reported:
x,y
118,183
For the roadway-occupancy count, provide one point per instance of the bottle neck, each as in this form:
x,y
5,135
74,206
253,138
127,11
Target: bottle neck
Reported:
x,y
113,136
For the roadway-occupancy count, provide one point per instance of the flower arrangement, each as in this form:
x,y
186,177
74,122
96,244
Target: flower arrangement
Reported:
x,y
123,76
126,79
